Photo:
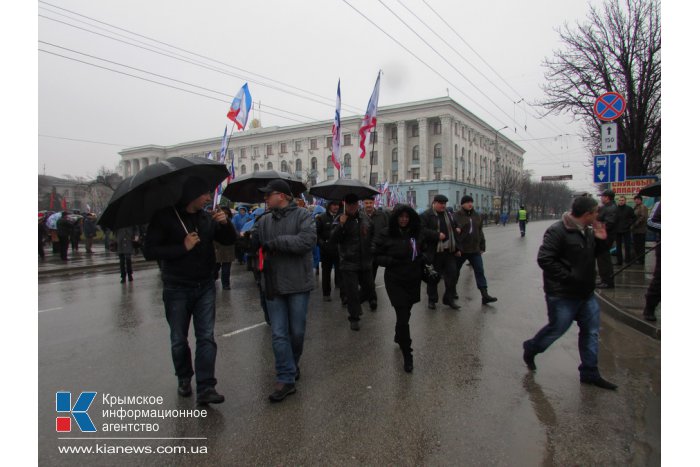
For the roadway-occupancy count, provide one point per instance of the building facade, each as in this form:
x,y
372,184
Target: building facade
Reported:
x,y
426,147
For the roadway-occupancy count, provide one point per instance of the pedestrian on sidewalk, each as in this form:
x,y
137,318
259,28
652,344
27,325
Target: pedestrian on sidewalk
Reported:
x,y
64,227
225,255
398,247
285,235
125,248
441,232
353,234
653,295
566,257
472,243
639,229
182,238
330,259
90,231
625,219
607,214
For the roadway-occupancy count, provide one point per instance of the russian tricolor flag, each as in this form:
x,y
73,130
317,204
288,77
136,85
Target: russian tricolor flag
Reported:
x,y
240,107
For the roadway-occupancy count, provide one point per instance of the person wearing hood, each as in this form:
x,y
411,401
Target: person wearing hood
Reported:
x,y
567,258
353,234
182,238
472,244
399,249
285,236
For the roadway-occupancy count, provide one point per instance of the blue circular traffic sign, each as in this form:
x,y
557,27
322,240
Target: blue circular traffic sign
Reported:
x,y
610,106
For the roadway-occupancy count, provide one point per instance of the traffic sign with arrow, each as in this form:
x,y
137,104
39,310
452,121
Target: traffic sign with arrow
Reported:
x,y
609,168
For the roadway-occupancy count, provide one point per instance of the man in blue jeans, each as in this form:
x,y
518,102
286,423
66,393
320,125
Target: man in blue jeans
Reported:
x,y
286,236
182,238
567,258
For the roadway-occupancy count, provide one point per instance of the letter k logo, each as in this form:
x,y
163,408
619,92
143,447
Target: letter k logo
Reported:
x,y
78,411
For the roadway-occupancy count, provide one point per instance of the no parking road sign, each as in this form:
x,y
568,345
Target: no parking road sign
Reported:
x,y
610,106
609,168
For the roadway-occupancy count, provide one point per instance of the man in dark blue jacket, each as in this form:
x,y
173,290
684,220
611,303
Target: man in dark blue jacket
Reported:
x,y
181,238
567,259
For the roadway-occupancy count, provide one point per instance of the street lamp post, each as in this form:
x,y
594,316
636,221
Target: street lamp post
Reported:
x,y
498,165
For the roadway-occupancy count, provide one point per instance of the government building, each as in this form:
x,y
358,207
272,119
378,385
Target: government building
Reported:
x,y
425,147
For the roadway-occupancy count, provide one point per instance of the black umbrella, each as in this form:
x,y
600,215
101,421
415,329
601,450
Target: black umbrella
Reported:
x,y
155,187
339,189
652,190
245,188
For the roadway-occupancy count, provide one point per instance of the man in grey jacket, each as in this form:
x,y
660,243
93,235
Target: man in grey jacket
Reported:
x,y
286,235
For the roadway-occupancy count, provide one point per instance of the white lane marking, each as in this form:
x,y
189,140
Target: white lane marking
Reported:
x,y
51,309
238,331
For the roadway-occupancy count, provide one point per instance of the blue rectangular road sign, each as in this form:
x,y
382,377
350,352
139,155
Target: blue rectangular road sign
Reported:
x,y
608,168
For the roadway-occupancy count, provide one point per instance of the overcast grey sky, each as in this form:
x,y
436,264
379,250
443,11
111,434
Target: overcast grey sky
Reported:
x,y
307,45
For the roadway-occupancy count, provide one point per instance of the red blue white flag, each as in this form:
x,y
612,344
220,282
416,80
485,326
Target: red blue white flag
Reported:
x,y
224,145
335,154
370,119
240,107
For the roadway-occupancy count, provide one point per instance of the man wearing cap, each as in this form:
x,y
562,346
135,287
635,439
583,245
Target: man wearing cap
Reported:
x,y
285,235
607,214
181,238
472,244
441,233
353,234
329,250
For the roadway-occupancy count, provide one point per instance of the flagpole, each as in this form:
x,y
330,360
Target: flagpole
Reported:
x,y
371,163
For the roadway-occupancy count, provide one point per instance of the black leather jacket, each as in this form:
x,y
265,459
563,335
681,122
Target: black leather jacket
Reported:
x,y
567,258
354,240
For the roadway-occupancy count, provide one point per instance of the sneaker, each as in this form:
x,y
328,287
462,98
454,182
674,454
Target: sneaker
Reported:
x,y
282,390
600,382
184,387
355,325
209,396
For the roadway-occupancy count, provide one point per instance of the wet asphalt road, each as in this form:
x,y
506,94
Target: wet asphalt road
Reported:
x,y
469,401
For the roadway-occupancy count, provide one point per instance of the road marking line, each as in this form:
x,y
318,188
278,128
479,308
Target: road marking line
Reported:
x,y
51,309
244,329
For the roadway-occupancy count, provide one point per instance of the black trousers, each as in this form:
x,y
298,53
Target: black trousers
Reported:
x,y
125,264
402,330
605,268
445,264
329,262
624,238
639,241
357,287
63,243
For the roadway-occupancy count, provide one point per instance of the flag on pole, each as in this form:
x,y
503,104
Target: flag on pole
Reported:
x,y
224,145
209,156
335,154
370,119
240,107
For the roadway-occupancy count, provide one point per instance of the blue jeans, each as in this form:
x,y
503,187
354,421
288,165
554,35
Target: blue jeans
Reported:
x,y
288,322
183,304
477,263
562,312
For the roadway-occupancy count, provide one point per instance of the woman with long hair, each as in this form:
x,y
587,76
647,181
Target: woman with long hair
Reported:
x,y
399,249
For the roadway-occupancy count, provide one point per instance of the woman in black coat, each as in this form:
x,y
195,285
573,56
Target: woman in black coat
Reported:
x,y
398,249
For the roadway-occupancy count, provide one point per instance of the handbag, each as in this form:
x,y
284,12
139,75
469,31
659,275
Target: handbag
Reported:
x,y
429,275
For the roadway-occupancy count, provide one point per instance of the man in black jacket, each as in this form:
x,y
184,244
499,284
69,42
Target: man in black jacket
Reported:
x,y
607,214
353,234
441,236
329,250
472,244
182,239
625,219
379,220
567,261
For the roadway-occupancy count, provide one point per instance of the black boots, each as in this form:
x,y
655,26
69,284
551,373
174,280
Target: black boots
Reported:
x,y
403,338
485,297
407,359
450,301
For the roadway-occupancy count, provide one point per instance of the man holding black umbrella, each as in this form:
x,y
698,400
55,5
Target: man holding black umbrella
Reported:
x,y
182,238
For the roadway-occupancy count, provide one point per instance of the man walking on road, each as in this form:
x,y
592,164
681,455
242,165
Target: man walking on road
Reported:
x,y
182,239
286,234
472,244
441,233
607,214
329,250
566,257
353,234
522,220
